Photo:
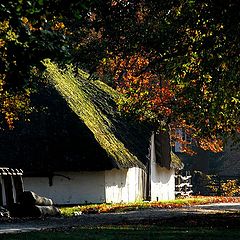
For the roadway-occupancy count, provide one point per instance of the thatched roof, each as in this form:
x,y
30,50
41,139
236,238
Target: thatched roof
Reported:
x,y
79,129
176,162
95,104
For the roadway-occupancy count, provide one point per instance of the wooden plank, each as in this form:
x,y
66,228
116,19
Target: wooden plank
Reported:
x,y
1,193
181,185
8,190
18,184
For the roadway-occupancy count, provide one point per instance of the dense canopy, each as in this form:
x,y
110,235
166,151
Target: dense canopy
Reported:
x,y
175,62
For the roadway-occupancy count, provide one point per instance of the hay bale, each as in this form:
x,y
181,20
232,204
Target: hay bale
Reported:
x,y
19,210
29,198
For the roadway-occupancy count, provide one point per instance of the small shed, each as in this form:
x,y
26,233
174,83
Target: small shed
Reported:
x,y
11,185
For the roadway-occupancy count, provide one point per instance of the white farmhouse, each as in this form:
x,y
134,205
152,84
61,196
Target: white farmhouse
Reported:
x,y
112,186
82,150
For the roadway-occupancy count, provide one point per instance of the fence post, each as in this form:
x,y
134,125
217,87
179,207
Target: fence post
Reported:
x,y
183,184
11,183
1,193
7,179
18,184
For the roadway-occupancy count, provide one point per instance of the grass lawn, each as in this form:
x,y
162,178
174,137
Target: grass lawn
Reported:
x,y
180,202
130,232
207,226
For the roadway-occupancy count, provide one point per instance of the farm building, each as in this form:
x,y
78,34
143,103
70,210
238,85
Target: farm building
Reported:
x,y
80,149
11,186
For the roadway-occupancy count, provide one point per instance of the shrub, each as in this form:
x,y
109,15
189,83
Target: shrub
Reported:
x,y
214,185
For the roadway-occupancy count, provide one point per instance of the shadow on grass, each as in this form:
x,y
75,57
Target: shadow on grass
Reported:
x,y
130,232
207,227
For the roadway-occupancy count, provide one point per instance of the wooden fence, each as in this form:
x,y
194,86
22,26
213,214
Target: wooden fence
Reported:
x,y
11,185
183,185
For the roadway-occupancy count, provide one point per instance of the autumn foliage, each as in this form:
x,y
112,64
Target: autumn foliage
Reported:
x,y
146,95
151,97
176,63
175,66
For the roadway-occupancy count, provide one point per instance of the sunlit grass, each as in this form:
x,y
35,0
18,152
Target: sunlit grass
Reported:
x,y
121,207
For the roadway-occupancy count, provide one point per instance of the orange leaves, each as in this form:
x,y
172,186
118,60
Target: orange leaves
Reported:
x,y
149,96
186,136
213,144
27,23
144,91
116,2
24,20
14,105
230,188
54,23
10,117
2,43
161,99
58,26
181,133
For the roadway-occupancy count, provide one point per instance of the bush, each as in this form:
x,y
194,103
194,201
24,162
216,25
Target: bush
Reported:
x,y
214,185
230,188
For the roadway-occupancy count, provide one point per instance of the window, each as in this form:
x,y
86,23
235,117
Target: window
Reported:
x,y
184,139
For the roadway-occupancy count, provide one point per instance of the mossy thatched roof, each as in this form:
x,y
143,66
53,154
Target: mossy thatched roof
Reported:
x,y
126,142
79,129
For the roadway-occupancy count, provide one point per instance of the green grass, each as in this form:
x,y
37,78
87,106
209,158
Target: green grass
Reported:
x,y
140,232
121,207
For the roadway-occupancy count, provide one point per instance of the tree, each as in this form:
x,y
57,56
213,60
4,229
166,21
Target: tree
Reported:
x,y
177,63
29,32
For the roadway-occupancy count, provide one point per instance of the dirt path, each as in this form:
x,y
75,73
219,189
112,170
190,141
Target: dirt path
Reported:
x,y
132,217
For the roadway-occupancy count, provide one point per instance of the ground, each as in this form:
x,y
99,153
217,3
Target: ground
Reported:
x,y
220,215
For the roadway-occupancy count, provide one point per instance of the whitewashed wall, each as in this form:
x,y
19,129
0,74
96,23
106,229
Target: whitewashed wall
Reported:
x,y
125,185
82,187
92,187
162,179
115,186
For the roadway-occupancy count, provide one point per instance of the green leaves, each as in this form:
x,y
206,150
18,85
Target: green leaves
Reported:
x,y
28,34
192,46
192,50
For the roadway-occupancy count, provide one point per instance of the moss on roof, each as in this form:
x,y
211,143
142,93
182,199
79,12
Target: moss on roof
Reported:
x,y
95,104
176,162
